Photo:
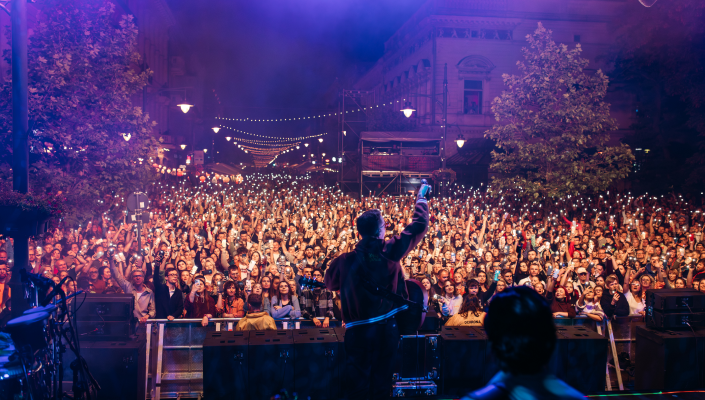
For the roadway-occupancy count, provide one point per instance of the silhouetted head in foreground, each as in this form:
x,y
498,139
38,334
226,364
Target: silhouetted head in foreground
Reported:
x,y
520,328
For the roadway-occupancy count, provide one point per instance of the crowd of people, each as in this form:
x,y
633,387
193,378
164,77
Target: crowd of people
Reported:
x,y
218,249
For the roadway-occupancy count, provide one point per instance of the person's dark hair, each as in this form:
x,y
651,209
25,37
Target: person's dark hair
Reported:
x,y
521,331
254,301
227,285
471,304
369,222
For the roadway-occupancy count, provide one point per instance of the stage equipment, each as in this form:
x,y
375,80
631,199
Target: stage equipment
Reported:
x,y
316,363
271,363
106,317
225,365
414,389
675,308
580,358
669,360
463,360
118,367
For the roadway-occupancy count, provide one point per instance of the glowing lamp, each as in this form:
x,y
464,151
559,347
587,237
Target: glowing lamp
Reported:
x,y
183,147
298,147
323,154
228,138
647,3
306,144
407,110
320,140
184,107
333,159
127,136
460,141
216,129
205,150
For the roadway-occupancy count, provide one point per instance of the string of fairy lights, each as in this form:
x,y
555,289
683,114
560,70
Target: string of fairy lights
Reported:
x,y
273,146
324,115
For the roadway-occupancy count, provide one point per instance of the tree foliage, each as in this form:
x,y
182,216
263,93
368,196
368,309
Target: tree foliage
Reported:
x,y
84,71
553,126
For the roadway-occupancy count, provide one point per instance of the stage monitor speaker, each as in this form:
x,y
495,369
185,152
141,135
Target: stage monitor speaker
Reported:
x,y
316,363
580,358
225,365
105,330
106,307
674,320
669,360
463,355
675,300
271,363
118,367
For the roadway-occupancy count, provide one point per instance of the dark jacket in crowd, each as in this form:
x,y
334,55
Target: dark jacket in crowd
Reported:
x,y
377,261
620,309
164,304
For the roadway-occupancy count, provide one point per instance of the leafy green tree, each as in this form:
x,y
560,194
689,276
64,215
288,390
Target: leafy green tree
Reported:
x,y
84,70
553,126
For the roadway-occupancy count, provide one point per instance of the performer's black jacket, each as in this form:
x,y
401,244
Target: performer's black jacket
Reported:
x,y
378,262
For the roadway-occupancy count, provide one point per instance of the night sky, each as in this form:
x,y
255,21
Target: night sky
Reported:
x,y
271,58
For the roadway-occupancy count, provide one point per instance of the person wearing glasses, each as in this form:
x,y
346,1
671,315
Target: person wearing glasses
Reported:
x,y
317,302
168,297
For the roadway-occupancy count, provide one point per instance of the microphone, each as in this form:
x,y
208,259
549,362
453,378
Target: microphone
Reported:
x,y
37,279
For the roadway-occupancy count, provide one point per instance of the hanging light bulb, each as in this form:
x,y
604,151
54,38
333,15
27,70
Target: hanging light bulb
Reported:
x,y
216,129
647,3
323,154
184,107
333,159
127,136
407,110
306,144
298,147
320,140
228,138
183,147
205,150
460,141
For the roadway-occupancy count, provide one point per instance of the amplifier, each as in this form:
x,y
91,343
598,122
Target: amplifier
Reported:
x,y
669,360
675,300
105,330
674,320
317,362
106,307
225,365
271,363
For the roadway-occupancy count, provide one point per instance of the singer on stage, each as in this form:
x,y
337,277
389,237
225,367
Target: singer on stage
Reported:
x,y
372,336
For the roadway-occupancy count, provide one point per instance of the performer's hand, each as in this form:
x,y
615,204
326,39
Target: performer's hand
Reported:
x,y
317,322
424,190
326,322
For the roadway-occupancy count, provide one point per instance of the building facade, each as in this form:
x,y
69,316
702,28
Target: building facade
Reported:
x,y
478,41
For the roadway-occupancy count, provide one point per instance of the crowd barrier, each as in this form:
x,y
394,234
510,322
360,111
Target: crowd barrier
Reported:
x,y
175,350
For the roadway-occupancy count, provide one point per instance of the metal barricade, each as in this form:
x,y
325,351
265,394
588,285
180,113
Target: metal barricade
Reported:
x,y
175,349
175,353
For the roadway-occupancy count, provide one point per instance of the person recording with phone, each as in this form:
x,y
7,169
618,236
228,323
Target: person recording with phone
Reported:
x,y
372,335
